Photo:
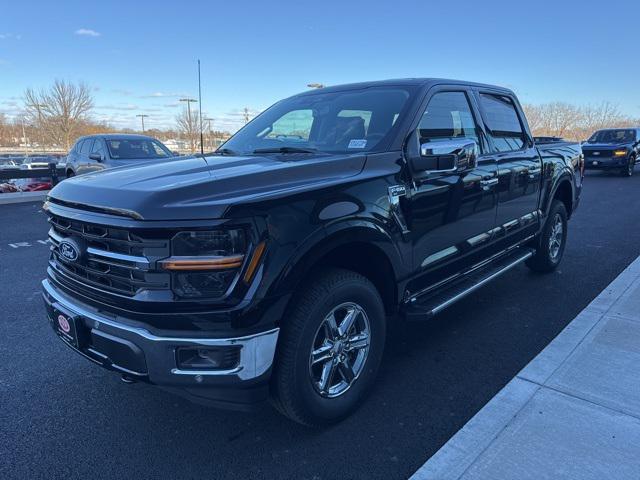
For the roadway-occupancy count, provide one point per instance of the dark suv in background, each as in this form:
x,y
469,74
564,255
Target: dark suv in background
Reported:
x,y
613,149
98,152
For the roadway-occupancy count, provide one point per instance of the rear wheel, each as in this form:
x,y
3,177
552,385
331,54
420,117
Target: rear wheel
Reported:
x,y
330,348
628,170
552,242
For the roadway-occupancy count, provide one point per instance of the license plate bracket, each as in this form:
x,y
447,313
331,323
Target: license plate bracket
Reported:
x,y
68,327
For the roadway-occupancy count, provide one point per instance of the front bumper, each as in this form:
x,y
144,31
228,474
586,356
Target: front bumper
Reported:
x,y
597,163
140,355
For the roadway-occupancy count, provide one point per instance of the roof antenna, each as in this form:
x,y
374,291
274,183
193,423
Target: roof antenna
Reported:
x,y
200,105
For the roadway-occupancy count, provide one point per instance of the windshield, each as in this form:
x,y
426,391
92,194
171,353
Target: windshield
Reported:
x,y
613,136
136,148
335,122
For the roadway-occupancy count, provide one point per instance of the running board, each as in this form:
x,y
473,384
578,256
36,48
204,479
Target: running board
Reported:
x,y
424,307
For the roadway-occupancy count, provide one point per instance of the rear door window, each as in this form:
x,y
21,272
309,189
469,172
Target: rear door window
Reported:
x,y
502,122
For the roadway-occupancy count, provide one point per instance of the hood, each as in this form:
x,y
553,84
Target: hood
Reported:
x,y
204,187
604,146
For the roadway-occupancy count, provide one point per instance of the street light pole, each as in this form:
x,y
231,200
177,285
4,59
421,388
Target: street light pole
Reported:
x,y
209,120
142,116
189,102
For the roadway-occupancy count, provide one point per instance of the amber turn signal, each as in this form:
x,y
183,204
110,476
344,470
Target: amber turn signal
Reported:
x,y
255,261
202,263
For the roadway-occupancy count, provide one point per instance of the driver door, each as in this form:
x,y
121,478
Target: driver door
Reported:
x,y
452,213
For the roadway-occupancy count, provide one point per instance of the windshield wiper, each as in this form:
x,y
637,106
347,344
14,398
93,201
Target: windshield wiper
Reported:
x,y
225,151
285,150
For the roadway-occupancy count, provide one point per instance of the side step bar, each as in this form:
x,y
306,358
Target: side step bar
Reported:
x,y
430,304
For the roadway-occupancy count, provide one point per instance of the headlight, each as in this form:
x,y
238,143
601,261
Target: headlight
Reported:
x,y
204,263
619,153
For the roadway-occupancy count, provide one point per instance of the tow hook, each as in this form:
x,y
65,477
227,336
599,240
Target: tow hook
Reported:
x,y
127,379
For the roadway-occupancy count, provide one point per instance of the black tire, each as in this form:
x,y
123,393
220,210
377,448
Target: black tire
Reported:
x,y
70,174
294,391
547,258
628,170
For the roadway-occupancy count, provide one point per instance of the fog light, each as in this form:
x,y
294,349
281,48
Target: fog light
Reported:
x,y
208,358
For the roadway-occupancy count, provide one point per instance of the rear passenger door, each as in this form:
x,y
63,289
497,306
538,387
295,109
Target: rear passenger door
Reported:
x,y
518,162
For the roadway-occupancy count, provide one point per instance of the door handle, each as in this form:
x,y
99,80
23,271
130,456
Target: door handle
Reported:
x,y
487,184
534,173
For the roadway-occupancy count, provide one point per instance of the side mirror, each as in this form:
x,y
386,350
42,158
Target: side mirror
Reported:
x,y
95,156
453,155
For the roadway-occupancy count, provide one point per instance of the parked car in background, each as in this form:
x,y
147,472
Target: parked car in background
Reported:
x,y
98,152
31,162
613,149
274,267
33,184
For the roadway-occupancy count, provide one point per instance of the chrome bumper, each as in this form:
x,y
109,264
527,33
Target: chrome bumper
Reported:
x,y
159,352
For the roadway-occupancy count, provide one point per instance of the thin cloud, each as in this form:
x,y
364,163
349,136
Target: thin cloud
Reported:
x,y
163,95
87,32
126,107
7,36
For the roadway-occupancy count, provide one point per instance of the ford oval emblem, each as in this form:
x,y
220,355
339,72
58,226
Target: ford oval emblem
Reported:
x,y
68,251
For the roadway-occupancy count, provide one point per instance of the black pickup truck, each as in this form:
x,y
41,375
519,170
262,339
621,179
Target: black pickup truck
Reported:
x,y
274,267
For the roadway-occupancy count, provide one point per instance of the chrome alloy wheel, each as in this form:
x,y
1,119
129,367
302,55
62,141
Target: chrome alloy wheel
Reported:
x,y
339,350
557,236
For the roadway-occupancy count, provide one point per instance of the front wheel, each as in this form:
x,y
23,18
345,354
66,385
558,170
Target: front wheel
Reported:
x,y
330,348
552,241
628,170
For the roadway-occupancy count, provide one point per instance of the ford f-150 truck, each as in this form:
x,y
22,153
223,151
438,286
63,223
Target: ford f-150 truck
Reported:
x,y
613,149
273,268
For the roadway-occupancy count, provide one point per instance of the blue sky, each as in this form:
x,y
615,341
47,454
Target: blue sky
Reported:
x,y
140,56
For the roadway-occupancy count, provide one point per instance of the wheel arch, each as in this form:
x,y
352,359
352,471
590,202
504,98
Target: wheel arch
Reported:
x,y
564,191
364,248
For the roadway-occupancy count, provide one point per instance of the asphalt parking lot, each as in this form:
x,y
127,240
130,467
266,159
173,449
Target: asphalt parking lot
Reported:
x,y
64,417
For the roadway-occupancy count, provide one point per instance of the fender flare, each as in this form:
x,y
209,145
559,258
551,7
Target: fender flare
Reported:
x,y
565,176
331,237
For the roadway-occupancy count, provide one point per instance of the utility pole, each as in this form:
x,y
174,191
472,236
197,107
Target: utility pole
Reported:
x,y
142,117
209,120
246,115
24,136
189,102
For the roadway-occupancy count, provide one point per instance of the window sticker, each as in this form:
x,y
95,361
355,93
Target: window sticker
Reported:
x,y
357,143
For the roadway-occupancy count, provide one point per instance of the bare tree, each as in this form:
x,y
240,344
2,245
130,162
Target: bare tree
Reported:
x,y
562,119
188,124
60,111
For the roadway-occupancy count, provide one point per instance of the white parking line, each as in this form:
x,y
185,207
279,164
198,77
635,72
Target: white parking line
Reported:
x,y
28,244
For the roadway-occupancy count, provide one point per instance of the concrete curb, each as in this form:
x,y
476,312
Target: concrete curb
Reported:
x,y
22,197
469,447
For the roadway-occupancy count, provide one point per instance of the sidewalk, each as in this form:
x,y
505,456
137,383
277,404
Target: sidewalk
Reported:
x,y
572,412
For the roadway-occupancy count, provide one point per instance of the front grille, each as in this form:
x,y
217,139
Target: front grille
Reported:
x,y
112,259
595,154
